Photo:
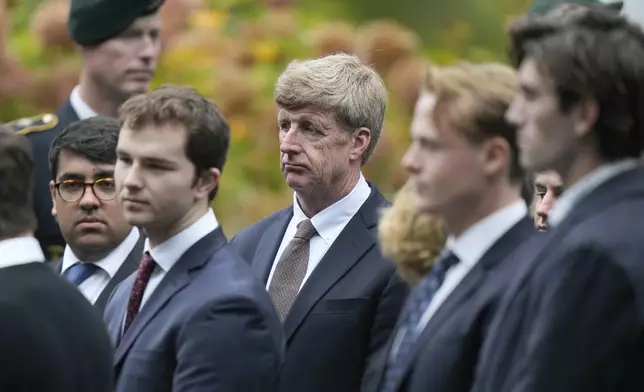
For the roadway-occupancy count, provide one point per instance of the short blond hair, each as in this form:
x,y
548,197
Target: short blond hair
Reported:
x,y
409,238
340,83
473,99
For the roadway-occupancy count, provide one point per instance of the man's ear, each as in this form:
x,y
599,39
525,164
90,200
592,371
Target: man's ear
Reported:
x,y
360,139
586,113
207,182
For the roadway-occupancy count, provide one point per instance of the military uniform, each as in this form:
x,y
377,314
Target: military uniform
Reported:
x,y
41,131
90,22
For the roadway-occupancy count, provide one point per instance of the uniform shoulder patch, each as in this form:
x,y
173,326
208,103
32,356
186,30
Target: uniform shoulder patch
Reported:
x,y
27,125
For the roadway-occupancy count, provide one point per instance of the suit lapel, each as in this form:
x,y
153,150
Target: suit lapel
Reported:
x,y
269,244
464,291
119,301
353,242
175,280
128,267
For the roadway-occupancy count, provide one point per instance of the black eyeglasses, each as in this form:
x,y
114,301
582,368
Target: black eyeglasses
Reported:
x,y
74,190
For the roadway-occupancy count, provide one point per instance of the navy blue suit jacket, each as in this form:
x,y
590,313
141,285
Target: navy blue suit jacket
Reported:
x,y
347,308
209,326
572,320
445,356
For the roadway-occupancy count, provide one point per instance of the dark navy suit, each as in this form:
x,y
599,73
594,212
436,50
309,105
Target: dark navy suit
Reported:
x,y
209,326
447,351
572,320
347,308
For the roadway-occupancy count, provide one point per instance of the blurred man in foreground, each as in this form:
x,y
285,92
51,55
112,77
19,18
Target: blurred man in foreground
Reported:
x,y
572,319
463,164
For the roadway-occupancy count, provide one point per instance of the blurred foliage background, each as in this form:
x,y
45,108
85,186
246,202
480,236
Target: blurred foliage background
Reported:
x,y
233,51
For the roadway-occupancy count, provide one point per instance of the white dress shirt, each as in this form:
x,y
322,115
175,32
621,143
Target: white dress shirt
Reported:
x,y
20,250
585,186
328,223
81,108
168,253
93,286
470,248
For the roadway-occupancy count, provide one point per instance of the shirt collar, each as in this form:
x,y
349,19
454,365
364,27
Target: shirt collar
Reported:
x,y
585,186
20,250
169,252
330,222
479,238
110,263
81,108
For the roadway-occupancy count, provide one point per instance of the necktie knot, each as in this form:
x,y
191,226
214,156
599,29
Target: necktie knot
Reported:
x,y
79,272
305,230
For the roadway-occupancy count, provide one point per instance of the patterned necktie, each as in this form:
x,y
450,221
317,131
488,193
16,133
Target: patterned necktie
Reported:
x,y
143,274
79,272
291,269
411,314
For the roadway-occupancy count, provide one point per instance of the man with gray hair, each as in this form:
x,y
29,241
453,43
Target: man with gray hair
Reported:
x,y
337,296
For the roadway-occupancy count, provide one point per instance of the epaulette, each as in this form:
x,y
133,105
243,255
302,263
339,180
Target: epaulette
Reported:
x,y
27,125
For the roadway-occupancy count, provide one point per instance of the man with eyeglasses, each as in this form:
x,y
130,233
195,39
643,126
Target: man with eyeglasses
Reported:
x,y
102,248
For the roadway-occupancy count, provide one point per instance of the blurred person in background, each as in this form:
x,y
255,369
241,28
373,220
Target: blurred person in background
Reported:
x,y
411,239
572,318
102,247
337,296
51,339
464,166
118,42
547,189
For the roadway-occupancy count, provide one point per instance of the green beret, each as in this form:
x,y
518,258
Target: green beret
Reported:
x,y
542,7
91,22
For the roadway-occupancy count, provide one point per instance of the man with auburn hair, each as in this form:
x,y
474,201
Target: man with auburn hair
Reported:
x,y
572,319
464,166
337,296
102,247
193,318
118,43
50,337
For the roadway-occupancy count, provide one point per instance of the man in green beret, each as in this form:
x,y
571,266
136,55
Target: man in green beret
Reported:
x,y
542,7
118,41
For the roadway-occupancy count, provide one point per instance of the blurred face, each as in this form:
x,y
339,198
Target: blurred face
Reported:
x,y
448,173
548,187
317,153
160,191
90,217
547,137
125,65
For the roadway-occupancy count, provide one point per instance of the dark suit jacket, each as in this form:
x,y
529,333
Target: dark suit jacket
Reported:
x,y
50,337
345,311
129,266
41,137
209,326
572,318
